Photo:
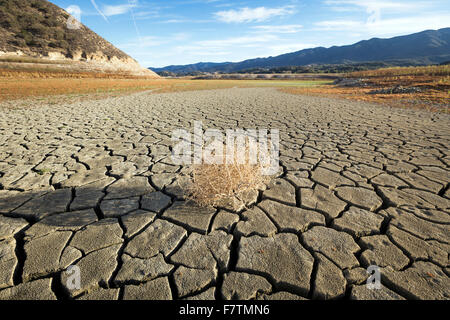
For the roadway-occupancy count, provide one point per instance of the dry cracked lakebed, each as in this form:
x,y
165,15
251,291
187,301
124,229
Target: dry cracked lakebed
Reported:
x,y
92,185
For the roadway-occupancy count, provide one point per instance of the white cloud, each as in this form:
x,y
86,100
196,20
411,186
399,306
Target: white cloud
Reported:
x,y
388,27
402,17
245,41
239,48
292,28
143,15
175,21
391,6
407,25
251,15
114,10
339,24
374,8
260,47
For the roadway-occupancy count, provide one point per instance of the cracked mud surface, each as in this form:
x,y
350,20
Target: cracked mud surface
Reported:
x,y
92,185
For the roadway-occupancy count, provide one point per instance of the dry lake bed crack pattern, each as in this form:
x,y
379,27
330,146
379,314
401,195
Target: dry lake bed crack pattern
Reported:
x,y
91,184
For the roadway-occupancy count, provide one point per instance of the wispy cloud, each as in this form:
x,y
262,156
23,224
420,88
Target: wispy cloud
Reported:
x,y
145,14
114,10
244,41
291,28
208,49
190,21
376,24
339,24
391,6
408,24
387,27
98,10
175,21
375,8
189,31
132,4
252,15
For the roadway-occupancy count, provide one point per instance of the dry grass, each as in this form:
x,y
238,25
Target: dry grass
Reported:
x,y
12,89
66,87
434,82
228,185
49,72
428,71
214,184
59,87
24,59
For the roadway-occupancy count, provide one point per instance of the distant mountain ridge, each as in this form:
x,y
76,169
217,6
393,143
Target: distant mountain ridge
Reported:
x,y
38,29
426,47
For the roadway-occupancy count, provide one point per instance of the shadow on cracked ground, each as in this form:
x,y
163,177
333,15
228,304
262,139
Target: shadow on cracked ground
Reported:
x,y
140,243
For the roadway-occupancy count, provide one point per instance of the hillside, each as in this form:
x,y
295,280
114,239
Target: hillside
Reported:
x,y
423,48
35,31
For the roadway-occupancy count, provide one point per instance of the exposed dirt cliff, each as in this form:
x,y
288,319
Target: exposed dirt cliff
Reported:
x,y
37,32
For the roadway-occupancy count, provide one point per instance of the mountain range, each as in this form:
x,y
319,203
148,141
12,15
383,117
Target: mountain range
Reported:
x,y
423,48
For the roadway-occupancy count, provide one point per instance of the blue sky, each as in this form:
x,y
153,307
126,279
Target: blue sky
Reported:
x,y
160,33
